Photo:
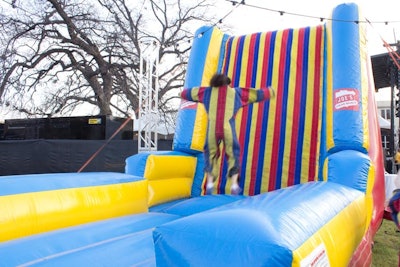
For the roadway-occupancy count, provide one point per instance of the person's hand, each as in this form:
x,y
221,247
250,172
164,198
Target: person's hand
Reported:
x,y
272,92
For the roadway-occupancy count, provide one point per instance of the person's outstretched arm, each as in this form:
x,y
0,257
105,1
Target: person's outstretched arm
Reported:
x,y
250,95
193,94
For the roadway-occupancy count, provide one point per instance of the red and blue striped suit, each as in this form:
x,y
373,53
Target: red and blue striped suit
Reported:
x,y
222,104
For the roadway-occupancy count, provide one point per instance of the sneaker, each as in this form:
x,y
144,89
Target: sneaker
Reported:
x,y
236,190
209,189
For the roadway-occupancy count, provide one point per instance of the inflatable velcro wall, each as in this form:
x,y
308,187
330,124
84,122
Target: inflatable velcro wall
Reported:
x,y
279,138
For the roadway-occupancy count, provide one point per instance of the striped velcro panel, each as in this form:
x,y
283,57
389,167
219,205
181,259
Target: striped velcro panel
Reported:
x,y
279,138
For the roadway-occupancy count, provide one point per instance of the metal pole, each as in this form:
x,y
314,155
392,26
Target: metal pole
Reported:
x,y
392,126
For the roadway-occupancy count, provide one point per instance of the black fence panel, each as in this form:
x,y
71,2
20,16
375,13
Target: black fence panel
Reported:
x,y
54,156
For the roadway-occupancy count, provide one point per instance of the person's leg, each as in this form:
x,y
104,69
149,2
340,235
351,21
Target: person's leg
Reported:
x,y
232,150
210,152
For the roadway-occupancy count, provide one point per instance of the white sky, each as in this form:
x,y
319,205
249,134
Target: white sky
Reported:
x,y
245,19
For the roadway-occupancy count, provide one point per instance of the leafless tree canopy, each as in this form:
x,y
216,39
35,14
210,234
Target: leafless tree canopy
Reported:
x,y
57,55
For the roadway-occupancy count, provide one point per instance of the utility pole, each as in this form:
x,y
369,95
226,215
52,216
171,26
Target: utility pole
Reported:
x,y
395,102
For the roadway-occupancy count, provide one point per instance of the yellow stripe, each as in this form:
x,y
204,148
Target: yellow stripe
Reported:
x,y
369,197
260,59
199,129
364,58
212,57
329,90
245,60
165,190
38,212
166,182
339,237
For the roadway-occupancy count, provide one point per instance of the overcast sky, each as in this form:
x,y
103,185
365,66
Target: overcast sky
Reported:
x,y
246,19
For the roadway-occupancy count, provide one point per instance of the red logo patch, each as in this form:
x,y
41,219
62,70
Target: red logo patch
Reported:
x,y
346,99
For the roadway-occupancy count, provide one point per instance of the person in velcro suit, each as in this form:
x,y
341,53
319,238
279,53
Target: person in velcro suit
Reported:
x,y
222,102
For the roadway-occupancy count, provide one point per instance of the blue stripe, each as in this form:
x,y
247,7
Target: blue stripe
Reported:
x,y
271,58
284,110
255,61
207,99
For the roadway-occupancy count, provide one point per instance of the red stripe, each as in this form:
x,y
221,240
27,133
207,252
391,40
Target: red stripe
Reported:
x,y
315,117
221,104
278,112
201,94
296,109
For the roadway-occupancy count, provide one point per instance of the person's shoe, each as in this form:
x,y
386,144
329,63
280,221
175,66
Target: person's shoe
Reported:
x,y
209,189
235,190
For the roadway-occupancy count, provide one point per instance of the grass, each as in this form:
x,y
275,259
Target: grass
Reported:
x,y
385,252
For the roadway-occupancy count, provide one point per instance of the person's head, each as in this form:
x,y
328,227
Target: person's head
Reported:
x,y
219,80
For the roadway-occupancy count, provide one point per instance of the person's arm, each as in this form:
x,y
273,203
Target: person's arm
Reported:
x,y
192,94
250,95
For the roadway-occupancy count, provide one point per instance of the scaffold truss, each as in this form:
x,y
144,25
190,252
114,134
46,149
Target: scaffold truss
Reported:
x,y
148,98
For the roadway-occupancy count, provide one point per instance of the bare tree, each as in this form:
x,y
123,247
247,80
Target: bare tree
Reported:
x,y
58,55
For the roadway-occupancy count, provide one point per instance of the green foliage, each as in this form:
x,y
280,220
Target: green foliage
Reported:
x,y
385,252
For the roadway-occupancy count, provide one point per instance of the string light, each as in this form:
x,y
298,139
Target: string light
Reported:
x,y
236,4
281,12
